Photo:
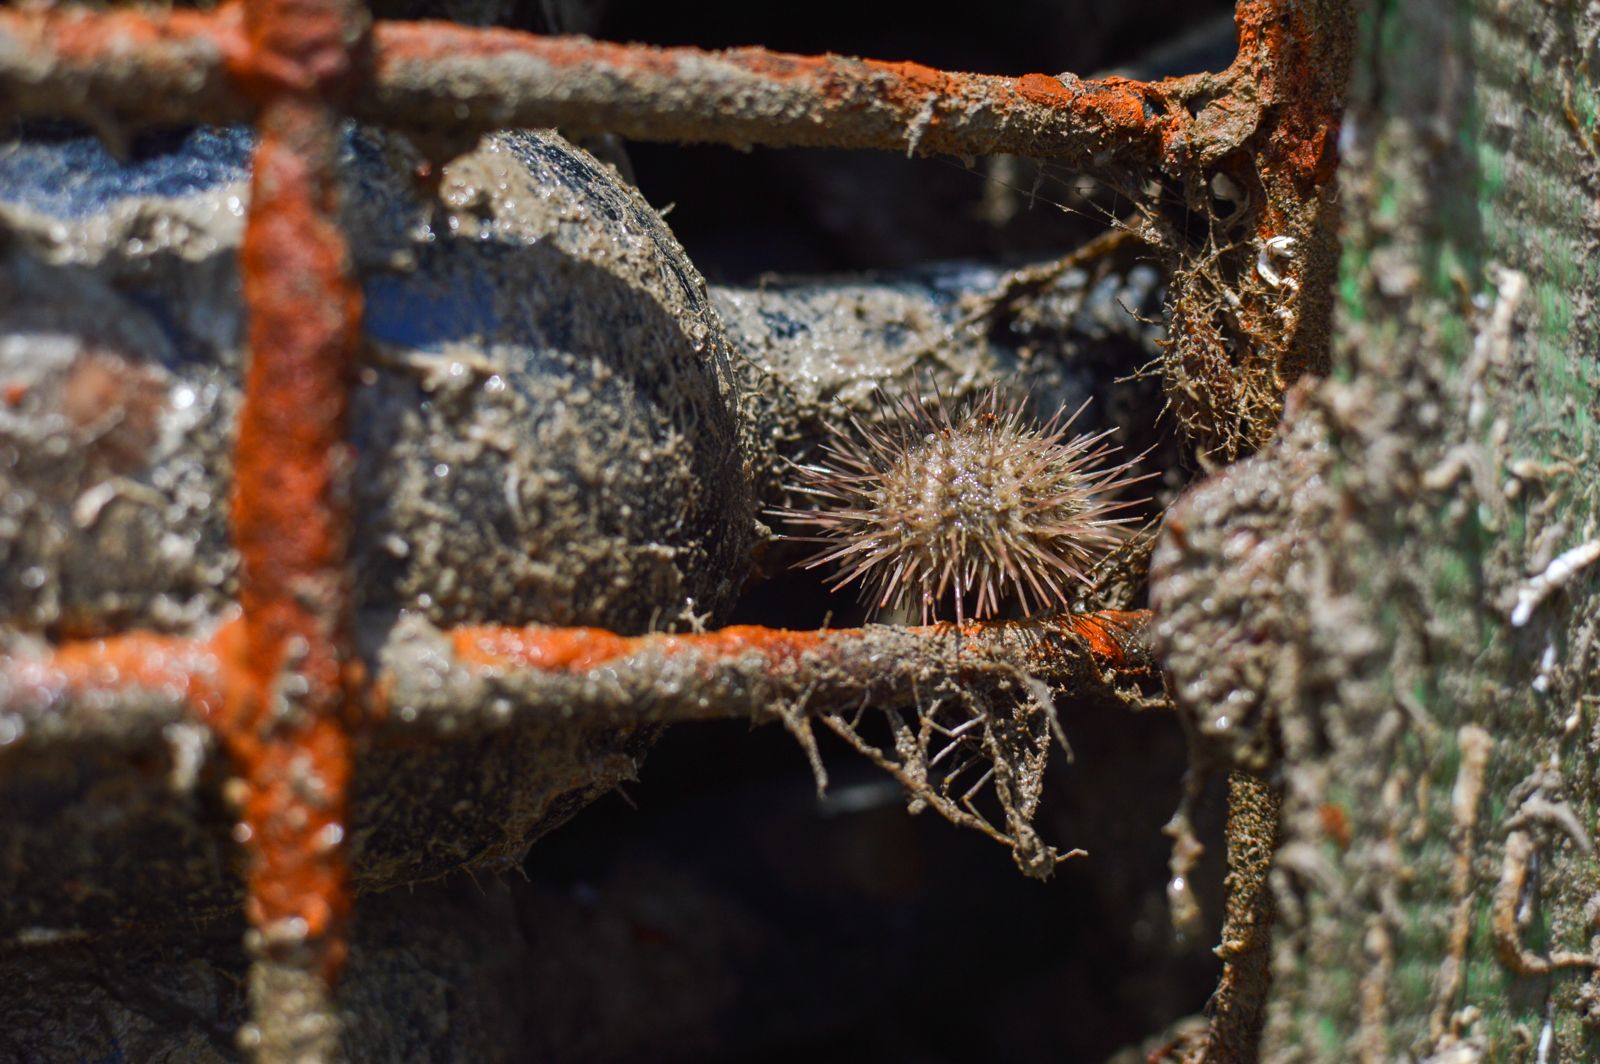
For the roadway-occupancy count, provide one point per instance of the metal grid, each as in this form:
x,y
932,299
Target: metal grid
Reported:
x,y
281,685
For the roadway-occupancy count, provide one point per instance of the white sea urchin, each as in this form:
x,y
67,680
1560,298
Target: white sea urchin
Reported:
x,y
983,501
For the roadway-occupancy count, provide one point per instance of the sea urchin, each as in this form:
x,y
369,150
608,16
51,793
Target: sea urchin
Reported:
x,y
982,502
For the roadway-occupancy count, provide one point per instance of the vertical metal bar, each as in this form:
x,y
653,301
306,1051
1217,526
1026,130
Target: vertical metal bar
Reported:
x,y
292,681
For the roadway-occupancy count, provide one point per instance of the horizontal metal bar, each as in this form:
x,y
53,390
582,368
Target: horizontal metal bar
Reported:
x,y
469,680
448,81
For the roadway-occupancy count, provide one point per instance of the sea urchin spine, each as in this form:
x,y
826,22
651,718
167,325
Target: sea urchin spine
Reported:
x,y
980,503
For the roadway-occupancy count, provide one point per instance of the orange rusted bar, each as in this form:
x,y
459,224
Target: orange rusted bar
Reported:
x,y
124,66
536,663
292,681
581,649
1114,639
1054,648
455,81
433,72
1300,69
187,669
1296,56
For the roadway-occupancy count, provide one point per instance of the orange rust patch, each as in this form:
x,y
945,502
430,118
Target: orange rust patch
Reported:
x,y
99,38
1335,824
297,796
1044,90
775,643
1111,634
1297,72
1115,104
551,649
581,649
298,46
83,36
135,661
291,506
1124,103
830,77
916,76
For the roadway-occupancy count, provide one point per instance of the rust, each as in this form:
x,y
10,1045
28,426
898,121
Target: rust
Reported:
x,y
913,86
423,75
1335,824
80,36
1044,90
1154,109
1299,70
136,661
1298,58
556,649
1114,638
435,77
303,47
1241,336
581,649
200,669
123,65
289,737
691,94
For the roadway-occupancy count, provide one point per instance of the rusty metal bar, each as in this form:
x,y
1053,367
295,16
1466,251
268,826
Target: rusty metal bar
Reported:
x,y
591,676
170,672
117,68
559,688
1297,57
292,682
290,519
434,73
445,80
753,671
